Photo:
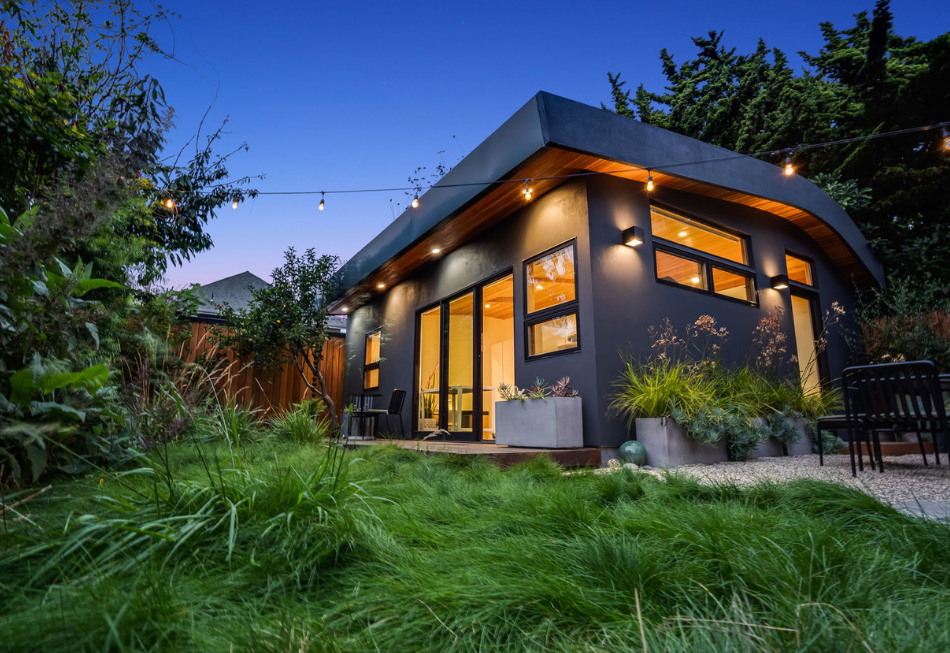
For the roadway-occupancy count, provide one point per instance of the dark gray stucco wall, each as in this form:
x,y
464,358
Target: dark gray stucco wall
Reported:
x,y
554,218
628,299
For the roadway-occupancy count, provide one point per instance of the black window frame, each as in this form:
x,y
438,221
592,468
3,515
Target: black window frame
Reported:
x,y
708,263
811,265
571,307
367,367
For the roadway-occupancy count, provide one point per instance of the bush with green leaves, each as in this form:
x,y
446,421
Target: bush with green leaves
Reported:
x,y
303,424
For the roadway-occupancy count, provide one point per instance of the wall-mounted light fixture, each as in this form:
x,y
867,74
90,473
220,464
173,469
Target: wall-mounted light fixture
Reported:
x,y
779,282
633,236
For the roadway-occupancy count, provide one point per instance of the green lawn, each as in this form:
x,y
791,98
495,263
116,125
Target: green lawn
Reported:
x,y
286,548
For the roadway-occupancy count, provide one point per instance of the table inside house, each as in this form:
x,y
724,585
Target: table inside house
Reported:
x,y
454,398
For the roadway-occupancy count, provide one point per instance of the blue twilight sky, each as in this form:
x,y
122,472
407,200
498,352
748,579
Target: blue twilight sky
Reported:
x,y
357,95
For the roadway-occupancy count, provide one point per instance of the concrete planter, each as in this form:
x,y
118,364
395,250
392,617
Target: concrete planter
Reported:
x,y
667,444
551,423
773,447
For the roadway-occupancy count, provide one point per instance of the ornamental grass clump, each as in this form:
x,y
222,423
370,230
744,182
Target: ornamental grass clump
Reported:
x,y
746,404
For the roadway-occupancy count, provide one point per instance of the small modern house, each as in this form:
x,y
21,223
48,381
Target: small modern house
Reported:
x,y
618,226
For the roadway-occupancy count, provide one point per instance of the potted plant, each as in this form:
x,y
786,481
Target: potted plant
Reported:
x,y
541,416
430,419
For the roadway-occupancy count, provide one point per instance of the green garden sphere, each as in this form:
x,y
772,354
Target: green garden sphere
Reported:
x,y
633,452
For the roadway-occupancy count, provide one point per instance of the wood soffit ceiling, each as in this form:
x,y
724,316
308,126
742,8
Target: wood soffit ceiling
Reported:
x,y
502,200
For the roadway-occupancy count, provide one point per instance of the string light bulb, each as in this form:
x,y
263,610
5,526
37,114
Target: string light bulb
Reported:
x,y
323,202
527,190
789,168
415,202
170,204
650,184
234,204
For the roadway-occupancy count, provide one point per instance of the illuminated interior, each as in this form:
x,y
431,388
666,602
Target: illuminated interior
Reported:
x,y
799,269
461,373
731,284
677,269
551,336
700,236
430,327
498,347
550,279
803,321
371,361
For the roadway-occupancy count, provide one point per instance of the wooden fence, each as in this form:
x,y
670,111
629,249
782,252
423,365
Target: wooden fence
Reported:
x,y
271,391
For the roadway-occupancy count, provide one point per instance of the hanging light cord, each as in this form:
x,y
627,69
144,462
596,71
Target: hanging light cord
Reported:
x,y
730,157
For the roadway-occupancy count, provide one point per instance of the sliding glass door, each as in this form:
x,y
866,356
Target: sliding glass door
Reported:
x,y
465,352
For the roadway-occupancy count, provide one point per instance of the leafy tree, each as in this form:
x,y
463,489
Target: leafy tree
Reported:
x,y
286,322
866,79
72,92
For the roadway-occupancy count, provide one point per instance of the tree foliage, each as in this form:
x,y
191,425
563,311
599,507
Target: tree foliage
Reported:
x,y
286,322
866,79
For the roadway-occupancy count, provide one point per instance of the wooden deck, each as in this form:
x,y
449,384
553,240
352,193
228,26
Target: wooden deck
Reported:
x,y
500,455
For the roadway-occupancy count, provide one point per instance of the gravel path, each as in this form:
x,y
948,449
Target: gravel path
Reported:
x,y
905,478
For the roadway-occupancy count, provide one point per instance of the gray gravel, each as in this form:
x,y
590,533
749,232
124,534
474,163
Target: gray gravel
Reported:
x,y
905,478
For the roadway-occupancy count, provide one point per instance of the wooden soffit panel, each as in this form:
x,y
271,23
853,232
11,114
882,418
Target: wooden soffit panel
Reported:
x,y
554,166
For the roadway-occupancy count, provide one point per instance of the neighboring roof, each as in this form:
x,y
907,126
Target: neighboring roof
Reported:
x,y
552,136
237,292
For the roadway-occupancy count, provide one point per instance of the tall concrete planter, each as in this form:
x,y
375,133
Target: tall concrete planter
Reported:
x,y
667,445
773,447
550,423
803,446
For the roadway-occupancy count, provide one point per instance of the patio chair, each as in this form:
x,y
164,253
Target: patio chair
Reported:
x,y
395,408
895,397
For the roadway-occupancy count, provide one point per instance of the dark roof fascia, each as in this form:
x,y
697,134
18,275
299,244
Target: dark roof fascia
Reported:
x,y
505,150
551,121
575,126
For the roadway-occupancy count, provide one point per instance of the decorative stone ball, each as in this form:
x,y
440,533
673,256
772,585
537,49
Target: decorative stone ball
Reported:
x,y
633,452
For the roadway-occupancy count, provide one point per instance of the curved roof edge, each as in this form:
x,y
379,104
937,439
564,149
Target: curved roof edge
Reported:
x,y
548,120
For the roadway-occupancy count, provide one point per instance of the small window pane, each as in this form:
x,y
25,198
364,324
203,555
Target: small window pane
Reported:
x,y
559,334
799,270
698,235
680,270
730,284
550,279
372,348
371,379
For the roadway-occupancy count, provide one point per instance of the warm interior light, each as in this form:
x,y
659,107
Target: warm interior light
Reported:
x,y
415,202
539,287
169,204
789,168
695,279
527,191
487,305
380,285
682,234
323,202
650,185
436,250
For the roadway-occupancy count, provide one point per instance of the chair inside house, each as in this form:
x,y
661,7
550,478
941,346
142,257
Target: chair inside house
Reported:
x,y
395,408
894,398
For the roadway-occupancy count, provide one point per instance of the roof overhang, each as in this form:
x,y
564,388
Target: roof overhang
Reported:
x,y
551,138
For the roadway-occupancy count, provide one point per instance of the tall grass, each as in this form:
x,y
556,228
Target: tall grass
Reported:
x,y
455,555
303,423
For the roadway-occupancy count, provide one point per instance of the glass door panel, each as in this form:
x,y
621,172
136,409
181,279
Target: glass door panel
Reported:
x,y
460,382
804,323
430,359
498,347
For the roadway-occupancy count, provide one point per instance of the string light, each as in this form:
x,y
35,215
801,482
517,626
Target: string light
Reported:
x,y
234,204
527,190
323,202
415,202
650,184
789,168
170,204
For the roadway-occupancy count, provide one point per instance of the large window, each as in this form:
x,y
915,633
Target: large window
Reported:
x,y
701,257
371,360
799,269
688,232
551,303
